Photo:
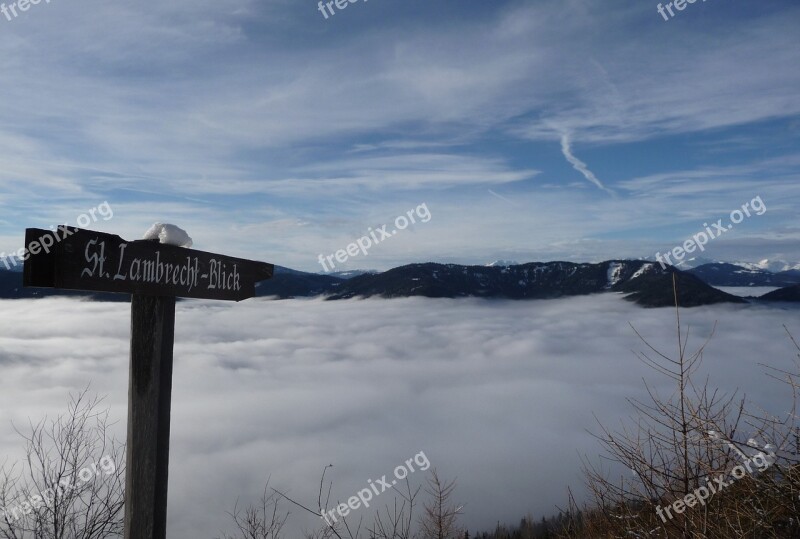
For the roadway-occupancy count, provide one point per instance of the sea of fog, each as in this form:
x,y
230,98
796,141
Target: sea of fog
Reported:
x,y
747,291
499,395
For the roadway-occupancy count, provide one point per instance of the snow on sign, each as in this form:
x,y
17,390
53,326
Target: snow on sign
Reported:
x,y
77,259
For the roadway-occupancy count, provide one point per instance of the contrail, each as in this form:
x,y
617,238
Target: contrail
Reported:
x,y
579,165
501,197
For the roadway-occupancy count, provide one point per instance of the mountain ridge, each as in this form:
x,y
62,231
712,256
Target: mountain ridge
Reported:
x,y
643,282
727,274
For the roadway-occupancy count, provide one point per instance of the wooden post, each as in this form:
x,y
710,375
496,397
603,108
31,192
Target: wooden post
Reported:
x,y
149,398
154,274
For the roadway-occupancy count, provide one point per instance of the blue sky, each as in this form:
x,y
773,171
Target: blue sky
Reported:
x,y
537,130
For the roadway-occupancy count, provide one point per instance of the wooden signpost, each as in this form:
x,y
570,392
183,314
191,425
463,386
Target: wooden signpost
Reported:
x,y
154,274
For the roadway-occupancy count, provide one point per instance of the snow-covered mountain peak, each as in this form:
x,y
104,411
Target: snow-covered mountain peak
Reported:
x,y
502,263
774,266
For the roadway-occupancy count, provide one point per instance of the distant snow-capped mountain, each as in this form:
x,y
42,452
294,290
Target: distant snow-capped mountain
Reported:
x,y
774,266
351,273
502,263
724,274
696,262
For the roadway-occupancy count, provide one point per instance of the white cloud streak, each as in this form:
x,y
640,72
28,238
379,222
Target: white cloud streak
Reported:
x,y
579,165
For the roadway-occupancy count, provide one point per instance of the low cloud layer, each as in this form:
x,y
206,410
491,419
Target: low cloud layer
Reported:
x,y
497,394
